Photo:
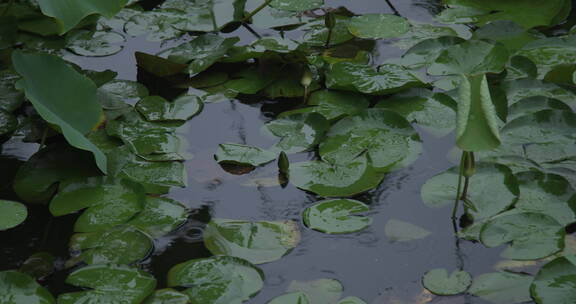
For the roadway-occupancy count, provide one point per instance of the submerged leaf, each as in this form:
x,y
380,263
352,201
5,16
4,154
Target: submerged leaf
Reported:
x,y
337,216
438,282
378,26
397,230
12,214
502,287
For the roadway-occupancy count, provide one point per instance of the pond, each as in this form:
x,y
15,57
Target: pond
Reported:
x,y
250,202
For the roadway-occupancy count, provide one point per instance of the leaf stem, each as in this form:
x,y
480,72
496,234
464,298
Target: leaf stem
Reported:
x,y
396,12
255,11
329,38
458,195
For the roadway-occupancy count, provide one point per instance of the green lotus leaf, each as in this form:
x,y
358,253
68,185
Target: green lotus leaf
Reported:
x,y
425,52
157,25
419,32
554,283
270,17
502,287
297,132
316,33
74,110
160,216
531,235
401,231
337,216
489,181
206,16
548,53
535,104
108,284
17,287
439,282
167,296
351,300
158,66
217,280
250,80
94,44
517,90
435,113
69,13
296,297
256,242
320,291
378,26
472,57
296,5
335,180
519,67
332,104
39,265
507,32
119,245
109,202
389,78
117,93
243,155
156,108
12,214
542,127
388,139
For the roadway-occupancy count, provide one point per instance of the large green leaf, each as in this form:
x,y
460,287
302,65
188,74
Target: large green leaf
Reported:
x,y
108,284
296,5
389,78
517,90
297,132
62,97
335,104
473,57
320,291
296,297
378,26
476,127
502,287
217,280
167,296
157,25
243,155
507,32
435,113
386,137
550,52
256,242
531,235
332,180
555,283
19,288
439,282
12,214
425,52
160,216
156,108
69,13
337,216
94,43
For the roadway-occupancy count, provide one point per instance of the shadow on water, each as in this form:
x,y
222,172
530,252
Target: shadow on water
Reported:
x,y
367,263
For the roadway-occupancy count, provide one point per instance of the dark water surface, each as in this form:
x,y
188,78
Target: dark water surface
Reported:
x,y
368,264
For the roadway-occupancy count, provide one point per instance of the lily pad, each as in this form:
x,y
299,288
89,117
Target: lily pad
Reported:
x,y
296,297
12,214
243,155
502,287
17,287
296,5
425,52
156,108
419,32
316,32
109,284
434,112
337,216
320,291
520,89
387,79
541,127
333,180
472,57
378,26
160,216
549,53
94,44
401,231
351,300
109,202
297,133
531,235
217,280
554,283
334,104
439,282
256,242
386,137
489,181
167,296
535,104
156,25
119,245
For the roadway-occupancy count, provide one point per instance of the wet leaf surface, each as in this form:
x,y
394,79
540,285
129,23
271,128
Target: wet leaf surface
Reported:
x,y
439,282
337,216
17,287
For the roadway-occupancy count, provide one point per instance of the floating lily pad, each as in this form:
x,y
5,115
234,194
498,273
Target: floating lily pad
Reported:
x,y
156,25
217,280
378,26
386,137
296,5
256,242
12,214
108,284
167,296
333,104
119,92
320,291
470,57
316,32
549,53
156,108
297,297
109,202
517,90
156,177
331,180
39,265
337,216
351,300
541,127
439,282
425,52
419,32
502,287
119,245
507,32
270,17
531,235
17,287
389,78
535,104
94,44
160,216
401,231
298,132
435,113
520,67
489,181
243,155
554,283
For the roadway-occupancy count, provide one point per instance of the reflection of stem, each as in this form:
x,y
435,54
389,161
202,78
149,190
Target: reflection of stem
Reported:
x,y
458,195
396,12
256,10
